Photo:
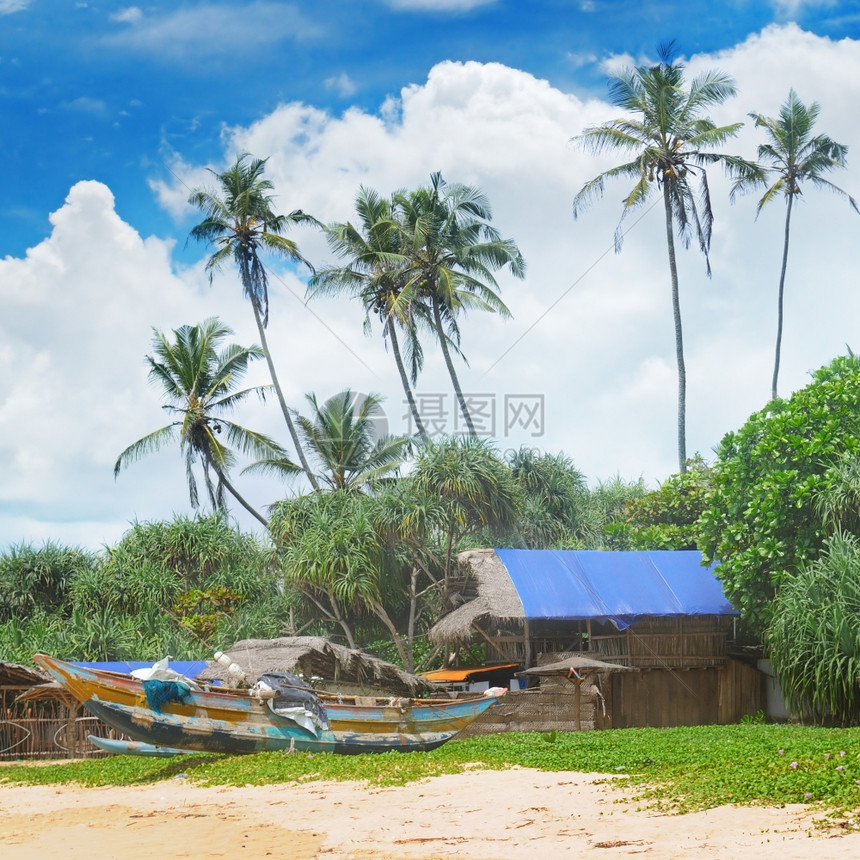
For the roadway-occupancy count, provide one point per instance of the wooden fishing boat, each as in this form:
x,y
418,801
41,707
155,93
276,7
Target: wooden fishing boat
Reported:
x,y
235,721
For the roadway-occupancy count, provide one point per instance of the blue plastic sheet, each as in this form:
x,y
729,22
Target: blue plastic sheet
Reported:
x,y
189,668
616,586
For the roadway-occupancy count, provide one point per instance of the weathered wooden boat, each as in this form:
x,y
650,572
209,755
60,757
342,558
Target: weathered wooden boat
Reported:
x,y
238,721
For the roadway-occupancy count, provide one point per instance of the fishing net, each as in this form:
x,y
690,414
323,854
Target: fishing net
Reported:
x,y
159,693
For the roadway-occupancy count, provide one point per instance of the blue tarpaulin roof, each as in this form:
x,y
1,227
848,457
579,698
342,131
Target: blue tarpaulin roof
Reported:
x,y
617,586
189,668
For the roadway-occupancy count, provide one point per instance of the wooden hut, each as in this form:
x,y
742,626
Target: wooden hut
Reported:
x,y
661,613
38,719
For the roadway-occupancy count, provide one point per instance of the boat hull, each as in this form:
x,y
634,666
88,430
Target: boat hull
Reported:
x,y
230,721
118,747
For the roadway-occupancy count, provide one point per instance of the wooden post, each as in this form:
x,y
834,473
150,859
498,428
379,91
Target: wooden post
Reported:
x,y
527,645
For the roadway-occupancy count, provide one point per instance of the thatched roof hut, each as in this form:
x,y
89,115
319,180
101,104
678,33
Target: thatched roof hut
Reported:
x,y
342,669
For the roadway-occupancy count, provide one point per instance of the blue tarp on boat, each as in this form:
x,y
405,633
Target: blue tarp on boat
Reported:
x,y
189,668
572,585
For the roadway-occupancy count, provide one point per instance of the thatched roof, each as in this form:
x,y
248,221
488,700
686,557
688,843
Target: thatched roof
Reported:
x,y
314,656
578,662
16,675
497,601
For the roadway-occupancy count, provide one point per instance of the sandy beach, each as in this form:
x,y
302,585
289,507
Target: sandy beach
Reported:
x,y
478,815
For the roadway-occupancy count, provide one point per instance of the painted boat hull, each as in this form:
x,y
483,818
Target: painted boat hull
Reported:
x,y
231,721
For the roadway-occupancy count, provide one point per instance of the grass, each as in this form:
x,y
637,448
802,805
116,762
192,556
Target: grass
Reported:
x,y
678,770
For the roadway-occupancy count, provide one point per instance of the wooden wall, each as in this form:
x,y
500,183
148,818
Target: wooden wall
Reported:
x,y
649,697
684,697
550,707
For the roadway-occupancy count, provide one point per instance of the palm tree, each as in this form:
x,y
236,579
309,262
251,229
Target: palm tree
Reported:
x,y
790,157
668,134
199,382
472,492
452,252
241,222
342,436
331,553
373,274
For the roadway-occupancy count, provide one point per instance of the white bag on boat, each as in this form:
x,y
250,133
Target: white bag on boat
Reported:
x,y
160,672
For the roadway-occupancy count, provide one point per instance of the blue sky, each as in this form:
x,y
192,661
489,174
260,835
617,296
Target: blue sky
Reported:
x,y
112,112
109,91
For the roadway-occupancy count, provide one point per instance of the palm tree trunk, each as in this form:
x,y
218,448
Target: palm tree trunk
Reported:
x,y
284,408
404,379
235,493
679,337
385,618
334,614
779,312
443,342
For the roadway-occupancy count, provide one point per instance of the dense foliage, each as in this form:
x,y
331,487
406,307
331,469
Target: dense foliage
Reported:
x,y
666,518
182,588
814,634
763,519
34,580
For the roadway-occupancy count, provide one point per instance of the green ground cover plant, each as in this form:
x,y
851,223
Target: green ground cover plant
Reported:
x,y
676,770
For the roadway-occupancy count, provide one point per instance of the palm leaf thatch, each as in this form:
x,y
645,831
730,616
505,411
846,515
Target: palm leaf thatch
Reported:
x,y
497,602
315,656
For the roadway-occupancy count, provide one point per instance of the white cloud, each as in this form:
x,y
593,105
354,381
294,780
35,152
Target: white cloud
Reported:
x,y
76,324
791,9
131,15
342,84
84,104
7,7
592,330
209,29
580,59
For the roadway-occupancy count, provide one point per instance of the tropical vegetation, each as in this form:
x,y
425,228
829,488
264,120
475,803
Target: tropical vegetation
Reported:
x,y
368,555
182,587
791,158
375,275
670,137
199,379
241,222
764,519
